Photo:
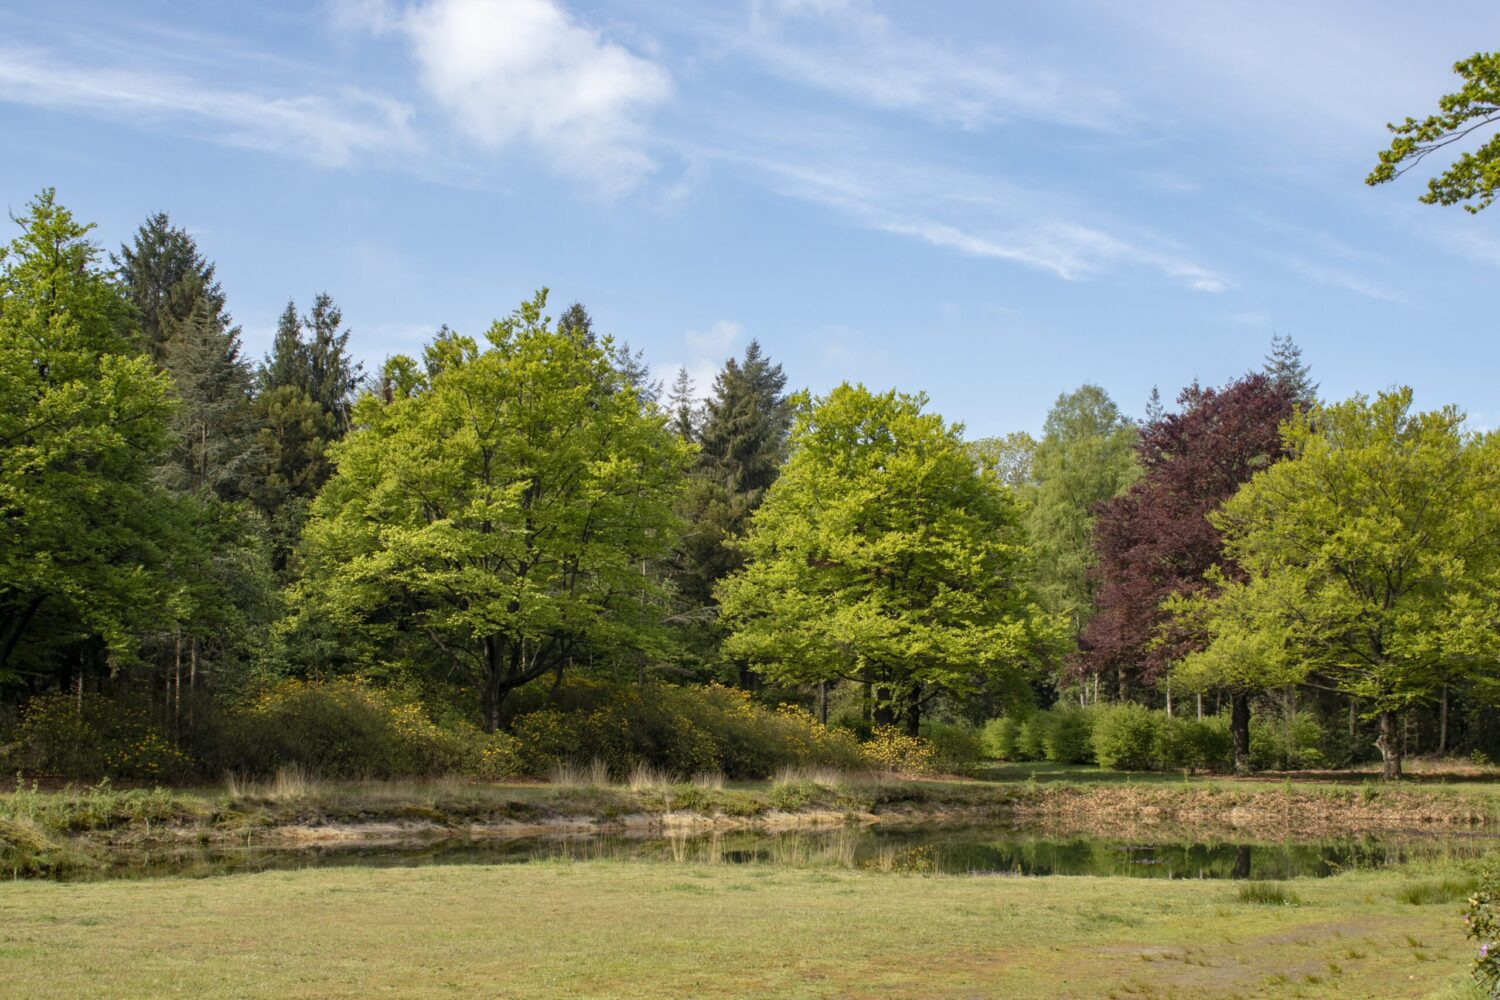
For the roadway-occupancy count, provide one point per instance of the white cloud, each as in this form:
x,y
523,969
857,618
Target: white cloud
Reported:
x,y
528,71
331,129
706,352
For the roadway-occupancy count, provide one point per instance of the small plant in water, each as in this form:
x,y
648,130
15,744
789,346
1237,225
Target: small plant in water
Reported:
x,y
1269,893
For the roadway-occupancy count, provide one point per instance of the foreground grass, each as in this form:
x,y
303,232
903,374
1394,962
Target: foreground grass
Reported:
x,y
602,929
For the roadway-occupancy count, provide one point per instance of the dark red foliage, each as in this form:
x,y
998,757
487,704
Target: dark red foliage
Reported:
x,y
1155,540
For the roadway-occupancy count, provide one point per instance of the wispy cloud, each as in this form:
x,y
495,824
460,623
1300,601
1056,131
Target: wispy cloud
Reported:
x,y
1348,280
334,128
529,71
846,170
849,48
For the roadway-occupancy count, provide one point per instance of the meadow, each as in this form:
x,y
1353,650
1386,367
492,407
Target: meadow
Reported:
x,y
611,929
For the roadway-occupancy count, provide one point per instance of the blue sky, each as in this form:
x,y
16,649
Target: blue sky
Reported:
x,y
990,202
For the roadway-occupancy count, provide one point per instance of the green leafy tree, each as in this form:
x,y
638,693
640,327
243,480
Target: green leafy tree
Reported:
x,y
884,554
1472,179
501,508
1371,556
1086,456
83,419
1011,457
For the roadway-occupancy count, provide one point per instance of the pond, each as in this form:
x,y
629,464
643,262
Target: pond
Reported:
x,y
981,850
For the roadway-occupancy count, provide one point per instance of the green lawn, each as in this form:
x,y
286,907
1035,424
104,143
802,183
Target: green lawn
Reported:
x,y
612,929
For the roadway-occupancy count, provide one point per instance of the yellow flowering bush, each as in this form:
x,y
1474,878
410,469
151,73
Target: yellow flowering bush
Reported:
x,y
889,749
94,737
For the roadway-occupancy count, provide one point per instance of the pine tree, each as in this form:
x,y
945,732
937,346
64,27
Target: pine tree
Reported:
x,y
1284,366
286,364
332,376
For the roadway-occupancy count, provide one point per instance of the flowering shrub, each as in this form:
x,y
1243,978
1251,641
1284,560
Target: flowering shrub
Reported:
x,y
93,737
1483,925
889,749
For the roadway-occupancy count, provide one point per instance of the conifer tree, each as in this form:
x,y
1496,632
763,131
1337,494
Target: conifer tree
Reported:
x,y
1284,366
742,444
164,277
683,405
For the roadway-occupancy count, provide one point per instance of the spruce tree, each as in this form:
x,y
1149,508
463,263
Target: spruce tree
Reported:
x,y
742,444
683,405
1284,366
164,277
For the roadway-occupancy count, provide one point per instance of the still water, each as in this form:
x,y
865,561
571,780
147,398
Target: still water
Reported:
x,y
984,850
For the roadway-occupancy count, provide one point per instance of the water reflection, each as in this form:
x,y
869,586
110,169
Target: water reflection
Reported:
x,y
972,850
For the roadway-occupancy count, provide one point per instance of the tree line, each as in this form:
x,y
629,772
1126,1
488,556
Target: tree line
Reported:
x,y
180,523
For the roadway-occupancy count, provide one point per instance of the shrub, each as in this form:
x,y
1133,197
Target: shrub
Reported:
x,y
1125,736
1482,924
1281,743
683,730
956,747
889,749
1000,737
1068,735
95,737
1031,741
341,728
1194,744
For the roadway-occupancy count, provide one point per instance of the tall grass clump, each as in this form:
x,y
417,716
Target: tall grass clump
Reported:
x,y
569,774
1268,894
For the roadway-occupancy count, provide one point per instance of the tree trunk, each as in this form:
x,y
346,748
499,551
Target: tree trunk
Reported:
x,y
1200,706
1390,747
1239,731
1443,723
866,700
885,712
823,702
489,694
914,711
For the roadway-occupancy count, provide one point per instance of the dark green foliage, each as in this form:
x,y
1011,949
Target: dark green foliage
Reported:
x,y
1193,744
94,737
166,279
741,444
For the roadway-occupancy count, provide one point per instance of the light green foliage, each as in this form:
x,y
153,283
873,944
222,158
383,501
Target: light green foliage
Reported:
x,y
884,552
1125,736
1371,557
1086,456
83,417
956,746
1031,737
1068,735
1000,737
1292,741
499,508
1473,178
1010,458
1194,744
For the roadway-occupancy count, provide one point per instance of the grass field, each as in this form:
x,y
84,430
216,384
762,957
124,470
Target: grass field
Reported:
x,y
612,929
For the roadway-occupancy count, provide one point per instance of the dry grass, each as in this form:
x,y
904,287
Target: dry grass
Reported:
x,y
646,778
566,774
290,784
710,780
823,777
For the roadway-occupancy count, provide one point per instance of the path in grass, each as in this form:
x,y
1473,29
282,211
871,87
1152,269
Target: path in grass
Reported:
x,y
641,930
